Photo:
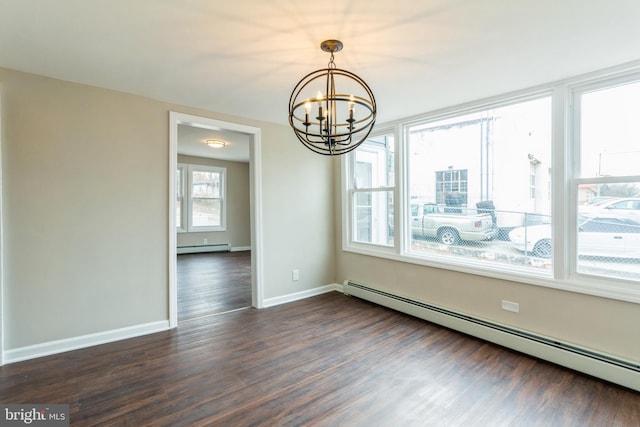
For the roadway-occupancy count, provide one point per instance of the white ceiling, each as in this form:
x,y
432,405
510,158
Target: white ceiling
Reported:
x,y
244,57
192,142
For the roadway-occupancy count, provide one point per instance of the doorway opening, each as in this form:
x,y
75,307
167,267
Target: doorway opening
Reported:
x,y
207,273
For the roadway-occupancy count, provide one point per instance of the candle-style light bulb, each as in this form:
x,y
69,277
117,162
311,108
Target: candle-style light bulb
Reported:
x,y
327,123
307,110
319,99
352,107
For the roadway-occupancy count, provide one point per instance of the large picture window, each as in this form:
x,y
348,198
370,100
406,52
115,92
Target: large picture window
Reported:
x,y
540,187
472,180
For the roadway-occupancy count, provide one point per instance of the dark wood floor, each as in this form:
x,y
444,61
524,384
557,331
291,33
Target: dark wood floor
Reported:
x,y
329,360
212,283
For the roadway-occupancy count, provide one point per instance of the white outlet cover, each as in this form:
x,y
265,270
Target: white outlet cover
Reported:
x,y
511,306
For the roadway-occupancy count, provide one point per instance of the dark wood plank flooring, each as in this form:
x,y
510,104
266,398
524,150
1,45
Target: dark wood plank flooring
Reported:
x,y
329,360
211,283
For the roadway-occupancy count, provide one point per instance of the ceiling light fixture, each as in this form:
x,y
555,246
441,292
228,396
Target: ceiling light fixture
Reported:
x,y
333,127
215,143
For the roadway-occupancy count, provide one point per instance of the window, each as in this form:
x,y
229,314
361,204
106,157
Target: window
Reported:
x,y
540,187
532,181
206,198
474,177
180,187
608,185
451,187
202,205
372,194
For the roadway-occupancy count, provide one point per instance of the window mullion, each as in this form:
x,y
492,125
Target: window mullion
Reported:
x,y
562,161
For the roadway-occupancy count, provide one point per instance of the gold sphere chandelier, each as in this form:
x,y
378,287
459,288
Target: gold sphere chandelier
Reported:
x,y
327,120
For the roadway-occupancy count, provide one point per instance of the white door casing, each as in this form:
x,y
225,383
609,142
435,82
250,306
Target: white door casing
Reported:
x,y
255,183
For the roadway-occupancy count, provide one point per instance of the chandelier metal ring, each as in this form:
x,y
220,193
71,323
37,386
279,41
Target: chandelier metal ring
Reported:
x,y
335,122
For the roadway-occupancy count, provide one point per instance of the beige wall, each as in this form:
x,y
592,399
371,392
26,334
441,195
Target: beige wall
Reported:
x,y
601,324
238,232
85,193
298,220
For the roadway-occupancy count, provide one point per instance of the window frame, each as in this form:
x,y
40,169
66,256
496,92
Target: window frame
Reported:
x,y
512,273
180,197
348,167
609,287
565,141
187,198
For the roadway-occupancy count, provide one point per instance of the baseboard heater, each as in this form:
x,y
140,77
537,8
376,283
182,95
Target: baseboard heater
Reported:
x,y
194,249
580,359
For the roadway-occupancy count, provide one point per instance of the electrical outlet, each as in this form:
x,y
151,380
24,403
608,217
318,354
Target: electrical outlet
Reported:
x,y
295,275
511,306
205,241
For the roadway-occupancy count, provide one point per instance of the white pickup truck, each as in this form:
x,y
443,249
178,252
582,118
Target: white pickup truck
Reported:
x,y
428,220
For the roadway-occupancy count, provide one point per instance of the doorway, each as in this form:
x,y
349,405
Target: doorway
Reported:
x,y
254,251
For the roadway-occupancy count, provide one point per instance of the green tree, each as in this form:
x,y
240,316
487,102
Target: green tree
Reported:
x,y
619,190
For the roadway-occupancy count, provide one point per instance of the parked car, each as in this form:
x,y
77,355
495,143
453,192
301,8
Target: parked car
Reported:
x,y
430,220
598,200
628,207
608,237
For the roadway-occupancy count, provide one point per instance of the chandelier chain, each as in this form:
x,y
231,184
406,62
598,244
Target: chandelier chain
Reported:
x,y
331,63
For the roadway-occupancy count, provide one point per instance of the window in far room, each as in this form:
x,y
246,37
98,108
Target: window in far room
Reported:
x,y
202,202
180,190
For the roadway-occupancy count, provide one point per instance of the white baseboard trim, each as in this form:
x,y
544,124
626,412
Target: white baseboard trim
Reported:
x,y
68,344
197,249
589,361
270,302
240,248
